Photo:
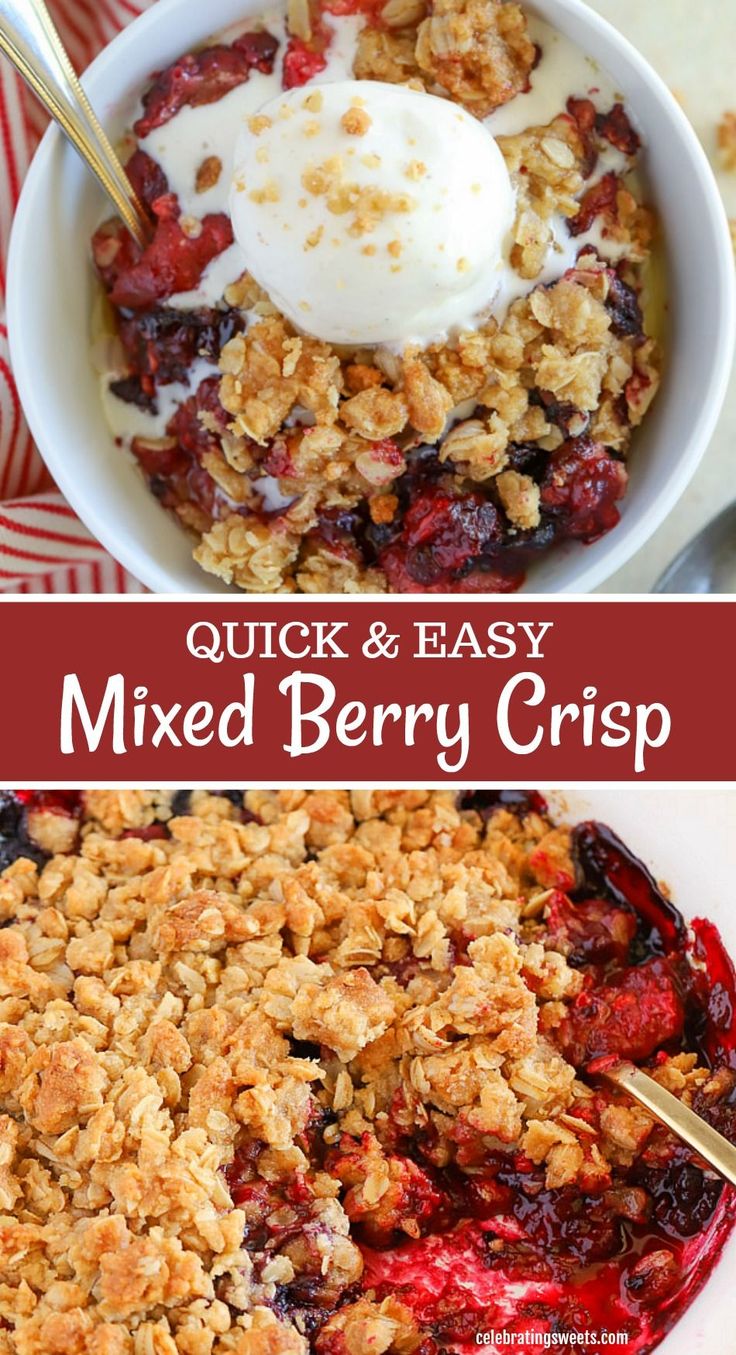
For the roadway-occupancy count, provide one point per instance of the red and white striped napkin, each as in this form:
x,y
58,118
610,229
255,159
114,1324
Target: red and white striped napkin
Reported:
x,y
44,548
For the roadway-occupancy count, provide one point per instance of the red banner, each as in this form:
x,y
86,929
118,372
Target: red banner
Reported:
x,y
244,692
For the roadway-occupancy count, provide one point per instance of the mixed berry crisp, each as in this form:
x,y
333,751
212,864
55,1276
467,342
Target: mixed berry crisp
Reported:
x,y
292,1072
448,462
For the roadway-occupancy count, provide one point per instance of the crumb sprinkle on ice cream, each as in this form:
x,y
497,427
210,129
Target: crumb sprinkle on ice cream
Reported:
x,y
385,162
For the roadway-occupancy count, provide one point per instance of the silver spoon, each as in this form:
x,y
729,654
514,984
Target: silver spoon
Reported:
x,y
28,37
707,564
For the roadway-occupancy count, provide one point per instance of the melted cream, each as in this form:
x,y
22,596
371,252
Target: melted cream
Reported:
x,y
217,276
273,501
564,72
193,134
127,421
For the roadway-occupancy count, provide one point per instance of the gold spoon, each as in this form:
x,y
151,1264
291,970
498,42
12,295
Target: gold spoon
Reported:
x,y
28,37
707,1142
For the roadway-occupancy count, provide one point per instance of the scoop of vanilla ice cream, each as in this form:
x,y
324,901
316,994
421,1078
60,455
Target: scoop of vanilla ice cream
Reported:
x,y
371,213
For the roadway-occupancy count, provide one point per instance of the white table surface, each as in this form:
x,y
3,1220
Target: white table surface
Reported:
x,y
693,47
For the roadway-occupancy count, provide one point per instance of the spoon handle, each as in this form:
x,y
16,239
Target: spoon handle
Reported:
x,y
28,37
707,1142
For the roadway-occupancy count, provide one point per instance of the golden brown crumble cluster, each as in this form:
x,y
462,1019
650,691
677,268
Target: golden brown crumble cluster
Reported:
x,y
476,51
560,338
335,426
727,140
261,992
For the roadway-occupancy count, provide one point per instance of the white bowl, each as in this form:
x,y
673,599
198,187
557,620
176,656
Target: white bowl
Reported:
x,y
51,289
685,835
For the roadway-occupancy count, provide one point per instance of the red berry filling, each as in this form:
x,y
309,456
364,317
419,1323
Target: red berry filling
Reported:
x,y
600,200
613,127
446,544
581,488
191,425
613,871
486,802
623,306
173,465
559,1263
162,345
589,931
155,832
714,983
204,77
137,279
301,63
482,1243
631,1016
147,177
